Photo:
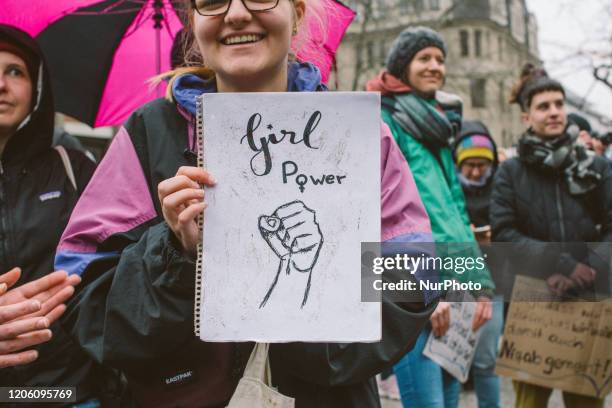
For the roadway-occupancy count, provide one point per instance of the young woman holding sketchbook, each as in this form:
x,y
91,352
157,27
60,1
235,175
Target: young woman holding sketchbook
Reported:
x,y
133,236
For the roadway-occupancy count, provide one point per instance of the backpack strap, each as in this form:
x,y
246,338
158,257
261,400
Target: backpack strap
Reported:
x,y
67,165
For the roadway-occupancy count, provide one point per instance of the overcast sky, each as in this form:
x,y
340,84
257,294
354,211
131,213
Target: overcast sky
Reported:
x,y
566,26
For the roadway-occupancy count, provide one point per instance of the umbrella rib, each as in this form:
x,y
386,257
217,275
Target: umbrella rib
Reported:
x,y
110,9
142,19
97,13
121,2
113,5
166,22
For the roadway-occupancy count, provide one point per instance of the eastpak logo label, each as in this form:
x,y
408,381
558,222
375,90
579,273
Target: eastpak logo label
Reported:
x,y
50,195
179,378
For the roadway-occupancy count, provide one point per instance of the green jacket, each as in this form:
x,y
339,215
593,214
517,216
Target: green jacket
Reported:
x,y
441,193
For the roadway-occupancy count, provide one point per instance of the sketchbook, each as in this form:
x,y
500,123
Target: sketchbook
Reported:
x,y
298,191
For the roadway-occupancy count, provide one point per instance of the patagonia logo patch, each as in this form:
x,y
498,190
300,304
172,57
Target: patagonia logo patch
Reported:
x,y
179,378
50,196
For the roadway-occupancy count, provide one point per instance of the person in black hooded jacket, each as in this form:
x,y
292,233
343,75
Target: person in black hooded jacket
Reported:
x,y
549,202
36,198
475,153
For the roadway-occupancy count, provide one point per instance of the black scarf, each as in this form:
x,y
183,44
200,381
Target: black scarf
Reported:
x,y
432,127
561,156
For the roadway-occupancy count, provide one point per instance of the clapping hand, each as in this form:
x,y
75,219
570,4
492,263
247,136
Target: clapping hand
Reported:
x,y
27,311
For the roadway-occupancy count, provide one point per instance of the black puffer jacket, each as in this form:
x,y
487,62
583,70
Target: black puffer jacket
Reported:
x,y
531,206
36,199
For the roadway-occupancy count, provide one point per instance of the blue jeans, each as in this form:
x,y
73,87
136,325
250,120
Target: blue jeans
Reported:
x,y
423,383
486,382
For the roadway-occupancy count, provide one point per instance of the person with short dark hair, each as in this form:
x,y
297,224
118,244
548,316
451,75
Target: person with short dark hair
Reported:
x,y
552,192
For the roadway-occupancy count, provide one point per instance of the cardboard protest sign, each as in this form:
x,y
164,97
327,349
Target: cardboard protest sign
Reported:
x,y
564,345
455,350
298,191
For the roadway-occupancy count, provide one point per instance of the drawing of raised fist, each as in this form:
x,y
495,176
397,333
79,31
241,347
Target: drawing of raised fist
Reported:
x,y
293,233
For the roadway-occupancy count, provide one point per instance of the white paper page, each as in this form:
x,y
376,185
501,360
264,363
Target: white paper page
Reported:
x,y
455,350
262,226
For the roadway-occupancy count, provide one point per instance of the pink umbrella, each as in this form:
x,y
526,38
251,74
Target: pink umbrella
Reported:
x,y
102,53
320,42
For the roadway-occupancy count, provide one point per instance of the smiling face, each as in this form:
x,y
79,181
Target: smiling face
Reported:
x,y
248,49
546,116
426,71
15,93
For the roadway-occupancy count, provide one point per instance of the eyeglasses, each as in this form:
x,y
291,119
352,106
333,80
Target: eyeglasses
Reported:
x,y
482,166
219,7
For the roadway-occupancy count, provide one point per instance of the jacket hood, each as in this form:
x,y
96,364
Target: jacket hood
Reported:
x,y
301,77
35,133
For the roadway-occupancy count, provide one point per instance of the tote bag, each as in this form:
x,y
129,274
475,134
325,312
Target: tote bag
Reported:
x,y
255,388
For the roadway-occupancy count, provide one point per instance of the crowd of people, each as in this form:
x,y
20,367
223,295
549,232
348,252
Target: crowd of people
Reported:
x,y
472,191
116,319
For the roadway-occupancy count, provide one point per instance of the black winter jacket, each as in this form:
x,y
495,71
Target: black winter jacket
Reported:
x,y
36,199
531,206
477,200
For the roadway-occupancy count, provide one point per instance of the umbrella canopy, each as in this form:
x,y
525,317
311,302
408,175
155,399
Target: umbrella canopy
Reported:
x,y
322,36
101,53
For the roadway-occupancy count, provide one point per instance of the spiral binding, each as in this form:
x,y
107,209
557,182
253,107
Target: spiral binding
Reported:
x,y
198,282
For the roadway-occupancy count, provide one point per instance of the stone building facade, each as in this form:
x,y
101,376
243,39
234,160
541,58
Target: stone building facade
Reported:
x,y
488,42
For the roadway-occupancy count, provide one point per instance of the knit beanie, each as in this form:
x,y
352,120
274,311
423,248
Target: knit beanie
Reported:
x,y
28,57
408,44
479,146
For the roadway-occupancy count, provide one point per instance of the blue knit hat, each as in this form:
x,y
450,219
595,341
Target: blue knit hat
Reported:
x,y
408,44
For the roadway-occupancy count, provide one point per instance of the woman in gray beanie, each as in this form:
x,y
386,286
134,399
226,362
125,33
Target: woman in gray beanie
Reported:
x,y
407,45
423,121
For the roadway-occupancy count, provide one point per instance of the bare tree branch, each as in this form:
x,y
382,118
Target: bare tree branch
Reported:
x,y
595,51
602,73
